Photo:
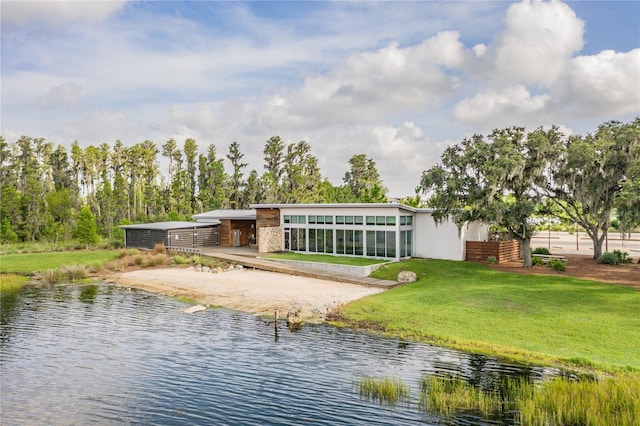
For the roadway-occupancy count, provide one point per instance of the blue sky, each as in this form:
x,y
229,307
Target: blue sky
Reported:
x,y
397,81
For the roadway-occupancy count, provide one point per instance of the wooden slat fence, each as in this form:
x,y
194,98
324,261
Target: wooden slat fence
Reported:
x,y
503,251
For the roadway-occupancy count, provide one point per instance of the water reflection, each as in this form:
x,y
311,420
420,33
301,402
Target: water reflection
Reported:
x,y
109,355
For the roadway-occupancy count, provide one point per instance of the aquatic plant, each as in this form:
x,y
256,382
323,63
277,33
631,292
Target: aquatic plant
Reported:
x,y
12,282
76,272
56,275
386,390
614,400
447,395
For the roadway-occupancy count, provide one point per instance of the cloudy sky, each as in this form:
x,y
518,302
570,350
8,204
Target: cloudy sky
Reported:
x,y
397,81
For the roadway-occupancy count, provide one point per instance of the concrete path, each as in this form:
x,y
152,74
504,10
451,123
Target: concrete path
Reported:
x,y
247,257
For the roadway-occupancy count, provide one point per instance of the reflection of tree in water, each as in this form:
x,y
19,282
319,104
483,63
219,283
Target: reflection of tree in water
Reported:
x,y
88,293
9,308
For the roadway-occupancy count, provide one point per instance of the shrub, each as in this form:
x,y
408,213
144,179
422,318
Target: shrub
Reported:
x,y
541,250
138,260
557,265
159,248
155,260
609,259
535,260
492,260
128,252
623,257
96,266
181,260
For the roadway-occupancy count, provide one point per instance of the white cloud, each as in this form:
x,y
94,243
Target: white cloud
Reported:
x,y
604,84
56,13
62,96
499,108
536,45
391,80
402,154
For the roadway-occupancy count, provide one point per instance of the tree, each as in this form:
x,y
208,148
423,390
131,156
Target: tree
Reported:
x,y
588,175
490,179
86,229
236,182
301,180
190,154
273,163
364,180
211,181
254,190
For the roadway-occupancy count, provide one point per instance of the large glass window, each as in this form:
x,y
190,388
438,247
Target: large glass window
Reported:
x,y
381,243
312,240
391,244
296,237
358,245
321,240
371,243
328,241
406,243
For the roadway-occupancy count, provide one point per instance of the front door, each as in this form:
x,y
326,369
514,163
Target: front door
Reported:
x,y
236,238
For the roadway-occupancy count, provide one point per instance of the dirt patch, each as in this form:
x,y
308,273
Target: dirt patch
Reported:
x,y
584,267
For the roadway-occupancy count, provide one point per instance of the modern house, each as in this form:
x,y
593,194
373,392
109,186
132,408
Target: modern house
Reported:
x,y
390,230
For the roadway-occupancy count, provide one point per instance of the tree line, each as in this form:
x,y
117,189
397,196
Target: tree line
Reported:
x,y
510,175
44,188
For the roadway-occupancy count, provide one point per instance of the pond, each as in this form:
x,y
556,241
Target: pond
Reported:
x,y
77,354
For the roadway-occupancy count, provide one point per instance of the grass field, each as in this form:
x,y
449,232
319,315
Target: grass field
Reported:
x,y
325,258
37,262
545,319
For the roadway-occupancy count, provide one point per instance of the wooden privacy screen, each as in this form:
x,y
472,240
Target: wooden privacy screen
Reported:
x,y
503,251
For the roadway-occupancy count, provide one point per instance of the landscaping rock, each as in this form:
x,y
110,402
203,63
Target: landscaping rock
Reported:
x,y
193,309
294,315
405,277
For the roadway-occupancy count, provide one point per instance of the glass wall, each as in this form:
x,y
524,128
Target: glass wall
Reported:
x,y
350,235
321,240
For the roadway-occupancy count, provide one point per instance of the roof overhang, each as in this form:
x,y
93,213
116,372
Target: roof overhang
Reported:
x,y
207,217
165,226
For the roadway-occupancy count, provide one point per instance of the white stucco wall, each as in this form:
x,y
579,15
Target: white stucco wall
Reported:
x,y
444,241
436,242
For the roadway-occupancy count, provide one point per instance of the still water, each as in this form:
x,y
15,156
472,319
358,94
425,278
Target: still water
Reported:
x,y
98,354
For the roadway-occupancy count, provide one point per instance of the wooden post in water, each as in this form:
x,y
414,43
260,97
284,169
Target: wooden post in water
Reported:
x,y
275,324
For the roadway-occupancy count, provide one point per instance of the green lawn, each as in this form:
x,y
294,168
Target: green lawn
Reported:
x,y
537,318
36,262
325,258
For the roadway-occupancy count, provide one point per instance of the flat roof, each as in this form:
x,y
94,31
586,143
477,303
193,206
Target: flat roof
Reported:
x,y
247,214
342,206
163,226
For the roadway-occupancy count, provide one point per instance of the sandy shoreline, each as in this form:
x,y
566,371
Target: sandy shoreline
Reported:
x,y
257,292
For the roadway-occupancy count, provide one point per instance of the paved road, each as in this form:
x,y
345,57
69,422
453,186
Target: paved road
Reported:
x,y
580,243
